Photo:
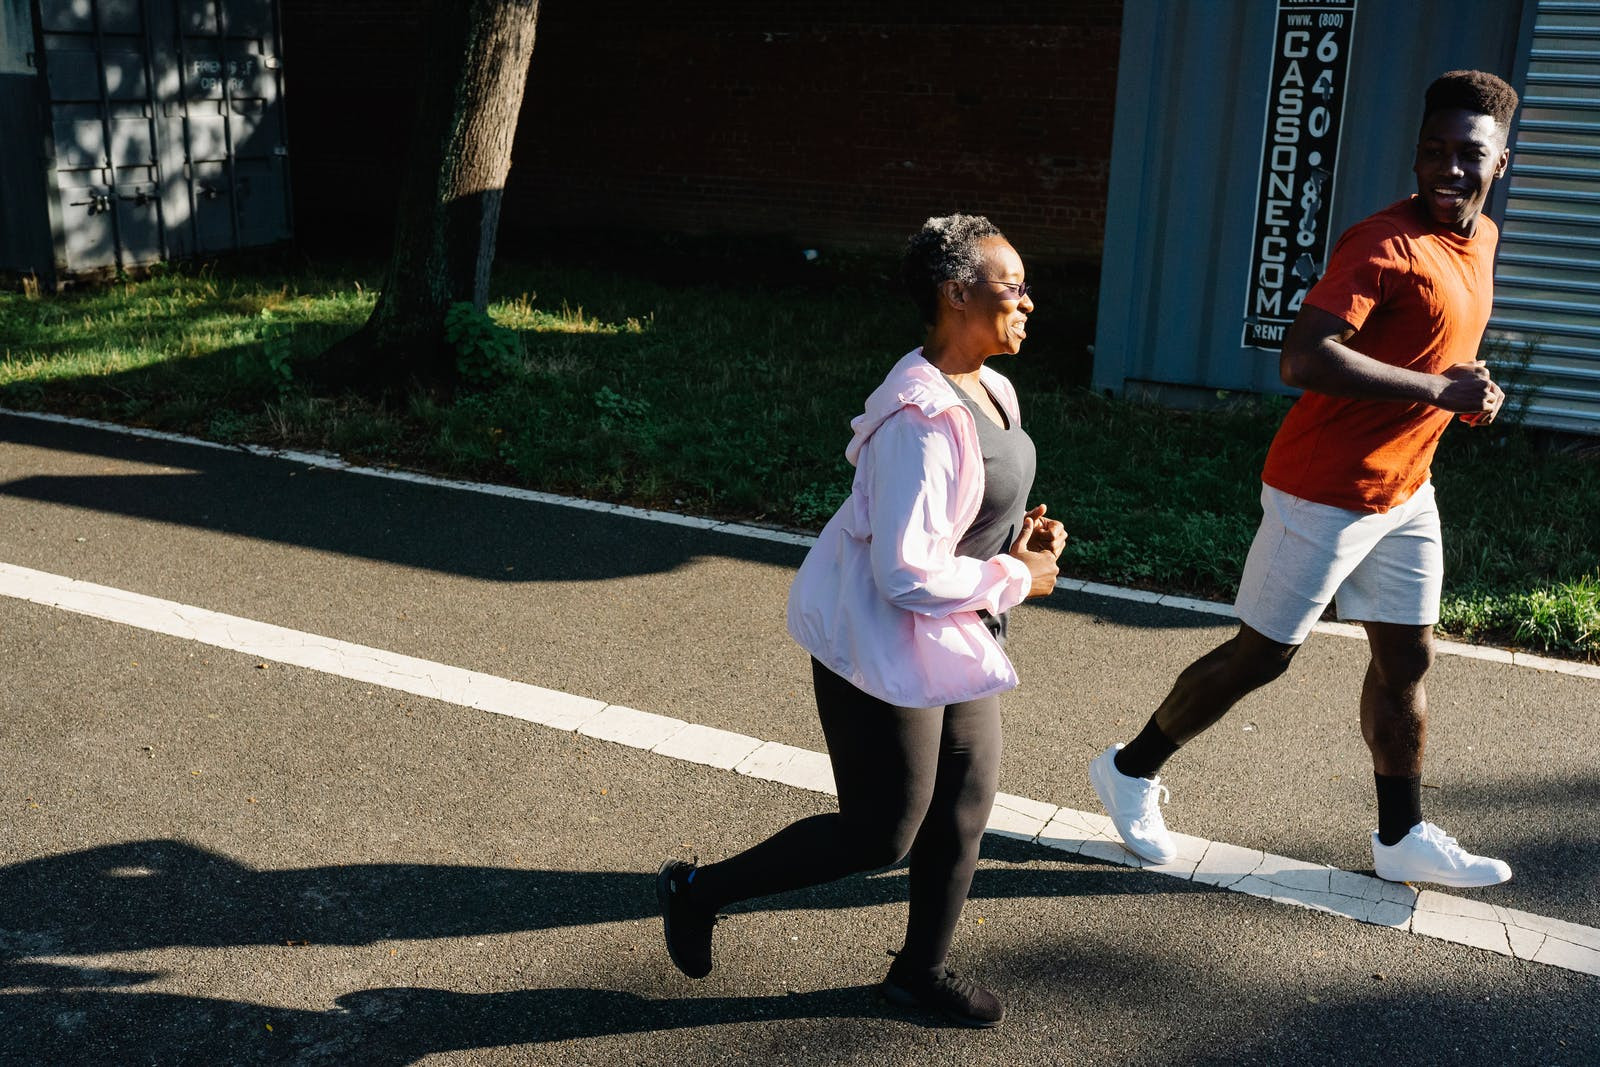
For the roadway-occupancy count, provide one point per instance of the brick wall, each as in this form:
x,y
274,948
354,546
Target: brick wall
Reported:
x,y
834,124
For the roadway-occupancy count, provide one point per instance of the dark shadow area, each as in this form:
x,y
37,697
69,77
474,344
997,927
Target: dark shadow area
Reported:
x,y
380,1027
160,893
155,894
486,537
1192,1006
1546,827
1061,325
468,534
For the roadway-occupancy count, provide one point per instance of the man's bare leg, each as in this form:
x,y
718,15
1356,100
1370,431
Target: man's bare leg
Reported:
x,y
1204,693
1394,722
1124,777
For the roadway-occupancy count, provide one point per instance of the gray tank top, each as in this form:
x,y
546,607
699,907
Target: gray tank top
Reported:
x,y
1009,464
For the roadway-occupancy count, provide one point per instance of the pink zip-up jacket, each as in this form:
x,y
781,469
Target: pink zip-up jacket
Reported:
x,y
882,599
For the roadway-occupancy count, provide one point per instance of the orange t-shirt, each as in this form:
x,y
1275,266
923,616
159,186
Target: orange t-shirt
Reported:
x,y
1418,297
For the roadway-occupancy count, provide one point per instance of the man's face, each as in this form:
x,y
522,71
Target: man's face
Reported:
x,y
1459,155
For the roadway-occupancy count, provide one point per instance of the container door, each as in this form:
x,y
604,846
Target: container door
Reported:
x,y
105,169
225,113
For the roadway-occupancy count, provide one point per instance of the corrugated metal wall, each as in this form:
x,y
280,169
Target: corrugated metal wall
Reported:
x,y
1545,332
1186,161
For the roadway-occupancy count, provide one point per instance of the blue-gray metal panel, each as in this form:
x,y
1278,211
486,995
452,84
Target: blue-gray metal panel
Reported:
x,y
1186,151
1545,331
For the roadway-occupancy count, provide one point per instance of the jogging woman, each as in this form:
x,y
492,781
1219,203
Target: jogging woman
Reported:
x,y
902,604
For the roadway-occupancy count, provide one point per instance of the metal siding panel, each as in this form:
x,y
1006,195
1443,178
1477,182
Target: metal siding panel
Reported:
x,y
1545,331
1186,148
1117,316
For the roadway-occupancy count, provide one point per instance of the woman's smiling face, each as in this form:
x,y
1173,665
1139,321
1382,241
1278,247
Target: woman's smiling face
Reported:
x,y
995,307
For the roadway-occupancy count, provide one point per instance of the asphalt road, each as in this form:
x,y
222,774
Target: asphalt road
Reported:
x,y
208,860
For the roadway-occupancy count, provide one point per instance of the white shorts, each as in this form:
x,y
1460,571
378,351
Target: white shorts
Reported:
x,y
1386,567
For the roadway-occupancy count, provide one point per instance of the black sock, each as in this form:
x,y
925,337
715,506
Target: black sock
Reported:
x,y
1399,805
1143,756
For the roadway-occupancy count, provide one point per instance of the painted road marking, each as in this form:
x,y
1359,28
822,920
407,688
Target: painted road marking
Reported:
x,y
328,461
1278,878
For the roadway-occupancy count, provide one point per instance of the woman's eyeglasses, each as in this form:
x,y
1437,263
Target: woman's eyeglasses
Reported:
x,y
1018,290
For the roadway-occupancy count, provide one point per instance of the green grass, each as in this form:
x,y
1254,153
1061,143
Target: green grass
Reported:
x,y
733,399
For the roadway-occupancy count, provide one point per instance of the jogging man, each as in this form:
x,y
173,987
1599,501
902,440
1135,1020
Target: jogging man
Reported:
x,y
1385,349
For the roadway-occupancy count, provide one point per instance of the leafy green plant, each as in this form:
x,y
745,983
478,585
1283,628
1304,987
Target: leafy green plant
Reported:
x,y
615,406
816,503
277,345
486,352
1563,618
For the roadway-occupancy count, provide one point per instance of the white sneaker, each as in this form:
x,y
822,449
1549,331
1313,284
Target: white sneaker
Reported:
x,y
1428,854
1134,805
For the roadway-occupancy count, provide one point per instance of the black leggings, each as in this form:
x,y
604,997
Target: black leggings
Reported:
x,y
917,780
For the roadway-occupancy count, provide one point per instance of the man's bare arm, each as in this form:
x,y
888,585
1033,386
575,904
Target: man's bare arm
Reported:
x,y
1316,358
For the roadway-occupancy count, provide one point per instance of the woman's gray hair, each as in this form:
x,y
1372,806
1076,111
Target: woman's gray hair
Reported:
x,y
945,249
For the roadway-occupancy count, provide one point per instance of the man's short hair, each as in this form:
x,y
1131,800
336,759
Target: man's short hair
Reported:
x,y
1476,91
945,249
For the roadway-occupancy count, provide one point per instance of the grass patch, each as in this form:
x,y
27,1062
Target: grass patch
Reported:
x,y
733,400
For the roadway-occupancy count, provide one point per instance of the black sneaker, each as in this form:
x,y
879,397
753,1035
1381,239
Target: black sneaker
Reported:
x,y
961,1000
687,927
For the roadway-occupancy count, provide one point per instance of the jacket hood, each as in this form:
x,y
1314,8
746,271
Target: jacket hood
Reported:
x,y
913,382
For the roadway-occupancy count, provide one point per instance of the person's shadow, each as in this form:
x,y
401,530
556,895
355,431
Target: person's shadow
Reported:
x,y
160,894
375,1027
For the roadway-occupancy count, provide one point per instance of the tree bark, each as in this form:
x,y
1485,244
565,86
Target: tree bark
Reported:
x,y
474,73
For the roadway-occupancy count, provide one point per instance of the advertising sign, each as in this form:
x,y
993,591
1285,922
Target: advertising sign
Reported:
x,y
1299,145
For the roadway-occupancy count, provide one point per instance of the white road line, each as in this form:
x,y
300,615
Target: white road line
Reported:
x,y
328,461
1241,870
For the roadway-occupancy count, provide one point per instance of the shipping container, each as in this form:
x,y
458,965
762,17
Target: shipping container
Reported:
x,y
138,131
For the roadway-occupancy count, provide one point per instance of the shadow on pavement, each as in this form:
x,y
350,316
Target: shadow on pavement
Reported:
x,y
468,534
380,1027
1543,824
163,893
153,894
485,537
1308,1011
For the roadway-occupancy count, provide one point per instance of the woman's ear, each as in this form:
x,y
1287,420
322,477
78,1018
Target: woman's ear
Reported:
x,y
954,294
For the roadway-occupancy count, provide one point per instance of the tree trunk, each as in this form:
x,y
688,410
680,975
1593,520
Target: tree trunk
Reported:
x,y
474,73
